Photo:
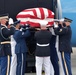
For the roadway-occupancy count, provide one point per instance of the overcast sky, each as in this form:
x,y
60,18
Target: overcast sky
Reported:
x,y
68,5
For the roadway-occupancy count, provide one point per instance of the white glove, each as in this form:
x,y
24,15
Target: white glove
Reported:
x,y
55,25
10,21
21,29
27,26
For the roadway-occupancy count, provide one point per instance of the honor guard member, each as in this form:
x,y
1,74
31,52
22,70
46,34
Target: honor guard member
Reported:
x,y
65,48
53,54
5,47
58,68
13,57
13,64
21,47
42,52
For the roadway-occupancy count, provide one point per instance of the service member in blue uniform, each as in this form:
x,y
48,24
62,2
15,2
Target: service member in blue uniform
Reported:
x,y
5,47
13,64
65,48
21,48
54,55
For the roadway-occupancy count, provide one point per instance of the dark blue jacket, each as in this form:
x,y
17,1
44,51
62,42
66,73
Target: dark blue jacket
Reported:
x,y
5,49
20,38
65,34
43,37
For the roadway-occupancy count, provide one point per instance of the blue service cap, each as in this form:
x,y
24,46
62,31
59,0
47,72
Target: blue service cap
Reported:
x,y
16,22
67,20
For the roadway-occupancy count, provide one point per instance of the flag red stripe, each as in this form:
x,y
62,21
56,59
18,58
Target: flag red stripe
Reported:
x,y
50,14
35,14
42,13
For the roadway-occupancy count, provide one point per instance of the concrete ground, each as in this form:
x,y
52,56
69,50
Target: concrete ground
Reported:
x,y
73,63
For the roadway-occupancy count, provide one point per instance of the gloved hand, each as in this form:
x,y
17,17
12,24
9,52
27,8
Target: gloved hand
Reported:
x,y
27,26
10,21
55,25
21,29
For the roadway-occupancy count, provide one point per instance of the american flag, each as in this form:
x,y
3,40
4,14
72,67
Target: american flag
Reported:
x,y
33,16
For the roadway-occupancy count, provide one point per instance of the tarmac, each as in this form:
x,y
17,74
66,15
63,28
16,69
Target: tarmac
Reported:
x,y
73,64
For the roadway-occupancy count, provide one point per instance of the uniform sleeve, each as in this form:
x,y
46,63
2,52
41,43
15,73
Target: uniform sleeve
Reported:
x,y
35,35
52,31
27,33
7,32
12,30
61,31
20,34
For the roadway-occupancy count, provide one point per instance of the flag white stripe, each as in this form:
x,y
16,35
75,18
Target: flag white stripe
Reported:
x,y
45,12
34,20
38,12
52,13
25,13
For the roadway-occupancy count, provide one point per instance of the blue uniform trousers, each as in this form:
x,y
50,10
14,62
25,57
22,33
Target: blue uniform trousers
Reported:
x,y
5,65
54,56
21,63
55,61
66,61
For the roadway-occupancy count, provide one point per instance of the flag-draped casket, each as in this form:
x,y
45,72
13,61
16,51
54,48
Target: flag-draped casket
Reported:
x,y
33,16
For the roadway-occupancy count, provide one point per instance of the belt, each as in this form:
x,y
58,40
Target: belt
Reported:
x,y
42,45
5,42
